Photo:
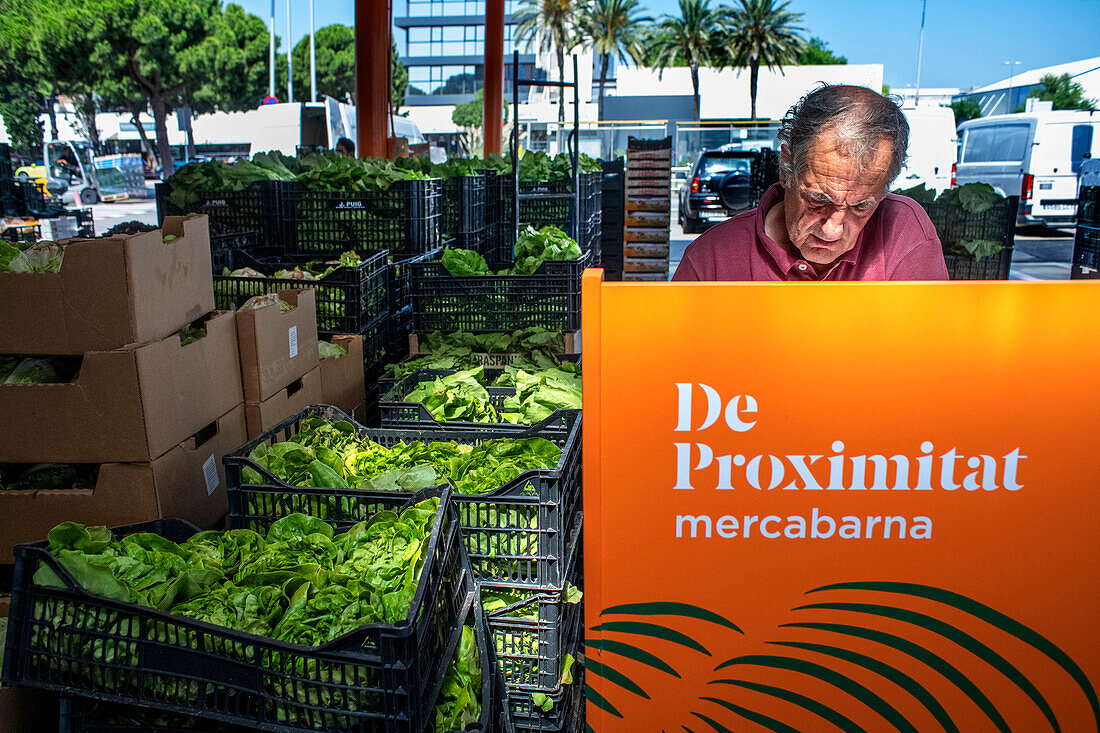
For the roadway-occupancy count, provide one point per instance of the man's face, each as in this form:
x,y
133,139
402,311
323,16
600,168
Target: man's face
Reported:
x,y
828,206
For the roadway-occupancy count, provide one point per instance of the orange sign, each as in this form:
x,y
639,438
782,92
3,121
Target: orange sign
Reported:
x,y
842,507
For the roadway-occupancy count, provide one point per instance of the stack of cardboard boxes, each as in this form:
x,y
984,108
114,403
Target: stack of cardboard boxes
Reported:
x,y
155,401
648,209
281,370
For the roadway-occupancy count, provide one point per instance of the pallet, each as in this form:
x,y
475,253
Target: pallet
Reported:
x,y
634,156
656,277
108,198
655,236
659,219
645,264
645,249
649,192
649,203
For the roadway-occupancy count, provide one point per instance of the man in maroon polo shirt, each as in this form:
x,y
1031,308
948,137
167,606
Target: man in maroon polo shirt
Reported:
x,y
830,216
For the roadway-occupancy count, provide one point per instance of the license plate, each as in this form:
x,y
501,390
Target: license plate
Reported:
x,y
711,216
1060,207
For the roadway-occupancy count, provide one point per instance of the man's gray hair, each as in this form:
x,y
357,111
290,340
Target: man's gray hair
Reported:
x,y
858,117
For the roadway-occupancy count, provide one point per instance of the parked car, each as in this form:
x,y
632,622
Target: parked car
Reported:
x,y
1034,155
719,186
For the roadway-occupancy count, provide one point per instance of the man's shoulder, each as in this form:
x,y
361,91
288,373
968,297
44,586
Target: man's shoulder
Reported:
x,y
900,212
723,251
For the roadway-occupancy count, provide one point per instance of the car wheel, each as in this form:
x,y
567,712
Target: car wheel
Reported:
x,y
691,226
23,177
88,196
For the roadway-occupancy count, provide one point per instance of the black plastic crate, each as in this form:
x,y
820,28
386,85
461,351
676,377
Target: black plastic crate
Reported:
x,y
1086,253
79,715
406,218
85,223
464,200
530,650
494,214
378,678
987,268
567,714
998,224
401,312
349,299
547,204
550,298
386,381
516,535
260,208
1088,206
396,413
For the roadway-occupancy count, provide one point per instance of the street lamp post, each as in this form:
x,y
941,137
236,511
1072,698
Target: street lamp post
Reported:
x,y
1008,95
289,58
312,58
920,51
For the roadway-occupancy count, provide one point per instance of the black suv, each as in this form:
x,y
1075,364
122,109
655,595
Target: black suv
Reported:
x,y
721,184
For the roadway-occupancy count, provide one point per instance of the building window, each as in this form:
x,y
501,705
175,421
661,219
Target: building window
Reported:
x,y
430,80
439,8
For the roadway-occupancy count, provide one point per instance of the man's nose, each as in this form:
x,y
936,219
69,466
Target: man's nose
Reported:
x,y
834,225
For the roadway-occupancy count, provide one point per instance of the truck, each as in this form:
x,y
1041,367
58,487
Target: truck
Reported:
x,y
65,164
1035,155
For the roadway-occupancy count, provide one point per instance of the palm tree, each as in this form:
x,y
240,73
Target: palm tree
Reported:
x,y
613,29
689,38
551,25
761,32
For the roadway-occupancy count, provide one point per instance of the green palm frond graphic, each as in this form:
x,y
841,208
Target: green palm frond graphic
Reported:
x,y
822,711
990,616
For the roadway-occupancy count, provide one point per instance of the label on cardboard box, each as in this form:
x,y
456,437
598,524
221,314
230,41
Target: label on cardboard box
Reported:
x,y
293,341
210,474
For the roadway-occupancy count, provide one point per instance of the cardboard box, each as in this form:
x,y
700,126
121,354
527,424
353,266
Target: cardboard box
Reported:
x,y
572,346
110,292
292,399
276,347
128,405
187,482
342,382
24,710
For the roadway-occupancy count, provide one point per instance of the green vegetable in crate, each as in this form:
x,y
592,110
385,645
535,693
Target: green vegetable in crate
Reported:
x,y
543,701
539,394
459,702
544,245
300,583
458,396
464,262
326,350
472,469
31,370
972,197
259,301
518,342
40,257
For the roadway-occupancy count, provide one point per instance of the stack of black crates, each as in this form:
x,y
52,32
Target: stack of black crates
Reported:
x,y
275,225
612,217
1086,239
953,223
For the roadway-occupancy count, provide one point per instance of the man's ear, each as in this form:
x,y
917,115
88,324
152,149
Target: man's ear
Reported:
x,y
784,163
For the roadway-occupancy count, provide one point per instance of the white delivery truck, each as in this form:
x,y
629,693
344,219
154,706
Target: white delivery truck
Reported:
x,y
1034,155
932,148
309,126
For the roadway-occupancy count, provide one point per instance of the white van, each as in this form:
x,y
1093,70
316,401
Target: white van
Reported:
x,y
932,148
1034,155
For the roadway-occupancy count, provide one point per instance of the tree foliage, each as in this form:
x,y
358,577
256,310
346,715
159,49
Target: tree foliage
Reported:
x,y
228,70
965,109
1063,91
692,38
613,28
550,26
761,32
816,52
335,53
20,69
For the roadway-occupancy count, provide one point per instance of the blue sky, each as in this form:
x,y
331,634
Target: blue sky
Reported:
x,y
966,42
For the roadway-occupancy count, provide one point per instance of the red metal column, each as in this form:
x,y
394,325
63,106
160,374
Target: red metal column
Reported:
x,y
494,74
373,21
